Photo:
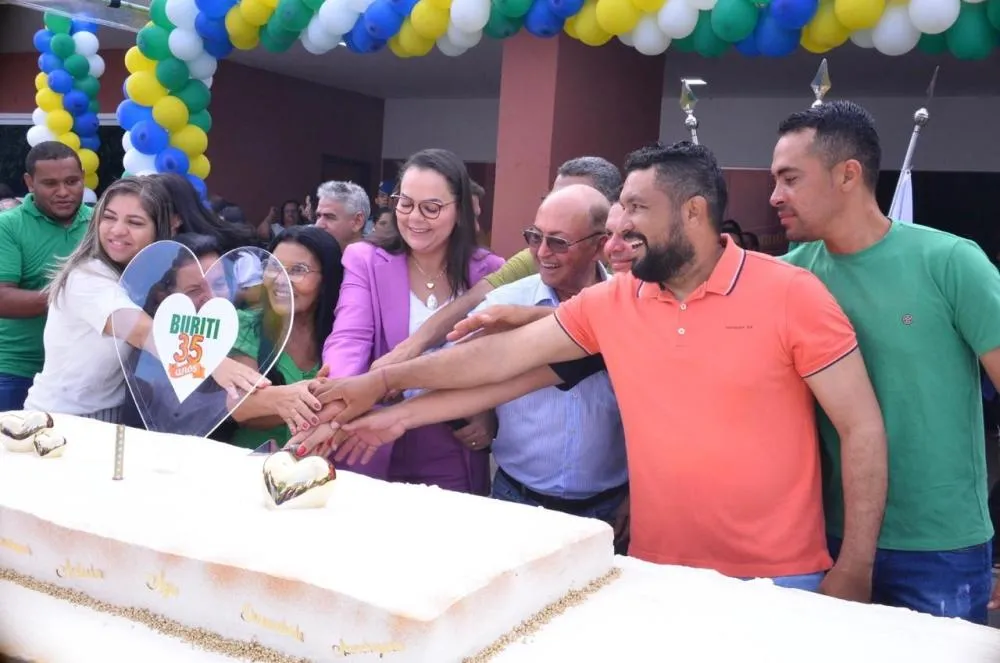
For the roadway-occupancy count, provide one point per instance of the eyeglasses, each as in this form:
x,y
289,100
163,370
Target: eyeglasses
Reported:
x,y
429,209
534,238
295,273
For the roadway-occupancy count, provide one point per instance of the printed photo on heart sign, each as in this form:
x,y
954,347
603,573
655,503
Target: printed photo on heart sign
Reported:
x,y
208,312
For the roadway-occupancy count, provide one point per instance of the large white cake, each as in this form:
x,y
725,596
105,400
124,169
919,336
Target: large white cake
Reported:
x,y
185,545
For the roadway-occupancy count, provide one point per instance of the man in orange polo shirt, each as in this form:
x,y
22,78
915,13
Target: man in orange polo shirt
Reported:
x,y
715,355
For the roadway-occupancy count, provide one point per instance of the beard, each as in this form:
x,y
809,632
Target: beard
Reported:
x,y
664,262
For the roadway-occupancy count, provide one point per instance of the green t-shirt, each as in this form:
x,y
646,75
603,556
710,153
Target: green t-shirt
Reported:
x,y
248,344
520,265
30,247
925,305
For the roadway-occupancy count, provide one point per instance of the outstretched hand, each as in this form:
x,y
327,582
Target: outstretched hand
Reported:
x,y
495,319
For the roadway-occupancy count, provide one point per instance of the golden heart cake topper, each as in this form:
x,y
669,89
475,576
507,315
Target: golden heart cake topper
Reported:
x,y
207,311
291,483
22,432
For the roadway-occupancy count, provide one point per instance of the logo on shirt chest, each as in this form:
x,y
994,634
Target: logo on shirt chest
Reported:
x,y
907,319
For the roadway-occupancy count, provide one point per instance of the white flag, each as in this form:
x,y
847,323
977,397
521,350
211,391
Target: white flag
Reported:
x,y
902,201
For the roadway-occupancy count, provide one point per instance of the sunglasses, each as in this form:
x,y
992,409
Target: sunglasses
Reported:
x,y
429,209
534,238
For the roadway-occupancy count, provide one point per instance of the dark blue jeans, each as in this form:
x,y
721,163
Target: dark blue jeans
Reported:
x,y
13,391
946,583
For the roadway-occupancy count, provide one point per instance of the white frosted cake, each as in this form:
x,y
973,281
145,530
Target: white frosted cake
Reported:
x,y
185,544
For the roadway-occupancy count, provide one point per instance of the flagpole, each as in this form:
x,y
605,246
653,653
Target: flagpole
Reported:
x,y
920,120
688,102
821,83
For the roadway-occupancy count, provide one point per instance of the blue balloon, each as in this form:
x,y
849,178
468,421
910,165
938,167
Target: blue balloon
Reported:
x,y
149,137
60,81
381,21
792,14
403,7
359,41
541,22
48,63
199,186
218,49
748,46
76,102
130,114
215,9
90,143
773,40
210,28
42,41
86,125
565,8
172,160
82,25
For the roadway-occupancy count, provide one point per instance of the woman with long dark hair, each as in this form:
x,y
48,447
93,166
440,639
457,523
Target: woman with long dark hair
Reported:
x,y
191,216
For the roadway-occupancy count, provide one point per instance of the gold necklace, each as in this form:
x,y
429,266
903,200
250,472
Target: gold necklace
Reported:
x,y
432,301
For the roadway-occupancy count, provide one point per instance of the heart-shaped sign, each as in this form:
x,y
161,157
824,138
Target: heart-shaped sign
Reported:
x,y
290,483
207,311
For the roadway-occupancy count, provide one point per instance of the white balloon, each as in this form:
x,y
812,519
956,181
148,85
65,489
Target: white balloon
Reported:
x,y
933,17
89,197
677,19
626,38
703,5
311,47
145,172
462,38
96,63
319,35
203,66
448,48
470,15
38,117
138,163
185,44
895,33
862,38
127,141
182,13
208,81
648,38
39,134
336,17
86,43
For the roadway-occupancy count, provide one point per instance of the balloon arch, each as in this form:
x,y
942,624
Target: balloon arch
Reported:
x,y
165,113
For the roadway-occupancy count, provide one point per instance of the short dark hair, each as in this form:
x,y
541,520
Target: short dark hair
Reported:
x,y
844,130
6,191
685,170
477,189
604,175
50,150
731,226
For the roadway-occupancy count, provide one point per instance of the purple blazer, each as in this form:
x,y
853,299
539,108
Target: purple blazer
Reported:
x,y
373,317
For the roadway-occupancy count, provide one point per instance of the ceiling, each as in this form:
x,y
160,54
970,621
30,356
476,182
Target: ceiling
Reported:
x,y
476,74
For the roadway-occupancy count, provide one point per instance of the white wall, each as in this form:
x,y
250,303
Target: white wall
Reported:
x,y
964,133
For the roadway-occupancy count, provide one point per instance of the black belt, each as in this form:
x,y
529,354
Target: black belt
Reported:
x,y
563,504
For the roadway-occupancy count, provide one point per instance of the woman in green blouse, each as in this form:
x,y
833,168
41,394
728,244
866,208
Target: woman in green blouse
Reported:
x,y
311,258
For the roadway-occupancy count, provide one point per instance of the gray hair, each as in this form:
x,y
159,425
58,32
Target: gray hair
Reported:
x,y
352,196
603,175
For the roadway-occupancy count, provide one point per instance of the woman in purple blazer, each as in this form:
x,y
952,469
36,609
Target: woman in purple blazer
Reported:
x,y
391,286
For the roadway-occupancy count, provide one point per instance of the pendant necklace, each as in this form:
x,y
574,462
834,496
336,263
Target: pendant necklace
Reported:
x,y
432,301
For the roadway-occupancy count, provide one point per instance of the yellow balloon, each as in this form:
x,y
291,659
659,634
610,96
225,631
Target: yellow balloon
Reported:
x,y
589,30
808,42
144,89
48,100
41,81
59,121
429,21
569,27
90,181
255,12
858,14
441,4
270,4
70,139
649,6
89,160
243,35
396,49
200,166
825,29
617,17
412,42
190,140
135,61
171,113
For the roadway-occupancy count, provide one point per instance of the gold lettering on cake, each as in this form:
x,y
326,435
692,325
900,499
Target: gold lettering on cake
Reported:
x,y
14,546
380,648
248,614
71,570
158,583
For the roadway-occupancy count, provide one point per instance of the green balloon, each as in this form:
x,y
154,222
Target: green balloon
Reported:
x,y
993,12
195,95
313,5
734,20
62,45
202,120
971,37
77,66
276,40
172,73
291,16
511,8
158,12
153,42
706,42
933,44
57,23
94,106
685,45
89,85
501,26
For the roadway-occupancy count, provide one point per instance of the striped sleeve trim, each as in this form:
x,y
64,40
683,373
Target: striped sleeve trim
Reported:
x,y
843,356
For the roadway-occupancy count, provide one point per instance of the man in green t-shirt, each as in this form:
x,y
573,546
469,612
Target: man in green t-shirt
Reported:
x,y
48,225
926,308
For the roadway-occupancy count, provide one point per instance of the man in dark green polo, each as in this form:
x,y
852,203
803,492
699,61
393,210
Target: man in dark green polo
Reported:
x,y
48,225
